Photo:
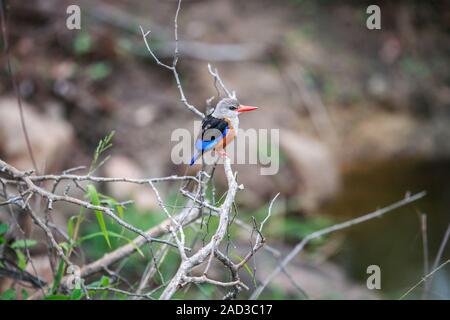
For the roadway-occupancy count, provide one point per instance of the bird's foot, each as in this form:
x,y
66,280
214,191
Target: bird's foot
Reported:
x,y
222,154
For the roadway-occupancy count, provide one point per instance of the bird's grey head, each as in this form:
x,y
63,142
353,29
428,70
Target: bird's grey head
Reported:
x,y
226,108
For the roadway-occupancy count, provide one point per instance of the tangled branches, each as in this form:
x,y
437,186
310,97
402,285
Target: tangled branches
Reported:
x,y
22,189
22,192
26,189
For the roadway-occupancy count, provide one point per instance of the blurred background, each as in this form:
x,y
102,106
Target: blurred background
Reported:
x,y
364,118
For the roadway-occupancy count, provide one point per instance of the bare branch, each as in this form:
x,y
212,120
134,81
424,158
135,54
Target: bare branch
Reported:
x,y
299,247
216,76
424,279
107,179
200,256
204,279
173,67
50,236
51,197
127,293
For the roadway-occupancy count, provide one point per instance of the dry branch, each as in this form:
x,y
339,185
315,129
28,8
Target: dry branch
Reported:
x,y
172,67
52,197
301,245
209,249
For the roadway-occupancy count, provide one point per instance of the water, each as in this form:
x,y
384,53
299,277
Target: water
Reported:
x,y
394,242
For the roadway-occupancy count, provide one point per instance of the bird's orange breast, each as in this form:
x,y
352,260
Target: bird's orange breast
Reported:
x,y
231,134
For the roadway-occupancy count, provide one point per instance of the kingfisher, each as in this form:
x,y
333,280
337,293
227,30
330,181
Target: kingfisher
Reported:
x,y
220,127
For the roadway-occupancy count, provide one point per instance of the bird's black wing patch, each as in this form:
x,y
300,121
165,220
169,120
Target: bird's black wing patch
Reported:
x,y
213,128
213,131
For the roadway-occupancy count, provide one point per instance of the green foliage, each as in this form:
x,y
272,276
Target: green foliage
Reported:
x,y
24,294
113,235
103,145
25,243
77,294
275,293
70,226
290,227
247,268
9,294
414,67
99,71
18,246
3,228
59,276
100,199
103,282
57,297
12,294
93,195
297,229
82,43
21,259
116,233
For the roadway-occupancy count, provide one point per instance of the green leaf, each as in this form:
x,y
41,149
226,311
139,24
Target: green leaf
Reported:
x,y
9,294
25,243
64,245
24,294
112,203
57,297
113,235
82,43
58,277
119,211
93,195
115,205
103,145
3,228
77,294
70,226
246,267
99,71
22,260
104,281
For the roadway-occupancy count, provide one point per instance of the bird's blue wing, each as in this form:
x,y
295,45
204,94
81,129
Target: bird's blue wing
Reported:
x,y
208,144
214,130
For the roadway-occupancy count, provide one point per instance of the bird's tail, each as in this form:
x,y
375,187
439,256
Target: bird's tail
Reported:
x,y
194,158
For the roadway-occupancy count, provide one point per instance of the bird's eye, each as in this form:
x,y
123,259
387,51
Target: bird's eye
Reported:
x,y
233,108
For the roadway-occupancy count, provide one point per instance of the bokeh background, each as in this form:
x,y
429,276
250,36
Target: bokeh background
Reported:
x,y
363,115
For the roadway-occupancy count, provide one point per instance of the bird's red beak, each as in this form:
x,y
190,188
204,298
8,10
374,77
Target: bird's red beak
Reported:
x,y
242,108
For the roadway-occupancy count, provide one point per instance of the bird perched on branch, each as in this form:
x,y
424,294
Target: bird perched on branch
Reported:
x,y
220,127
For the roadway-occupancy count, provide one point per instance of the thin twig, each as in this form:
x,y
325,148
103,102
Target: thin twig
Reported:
x,y
173,67
217,238
299,247
15,86
426,268
424,279
440,251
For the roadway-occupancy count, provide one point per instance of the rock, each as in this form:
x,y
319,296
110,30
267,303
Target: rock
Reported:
x,y
314,166
142,195
386,135
50,137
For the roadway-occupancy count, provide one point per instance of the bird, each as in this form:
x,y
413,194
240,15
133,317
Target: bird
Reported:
x,y
220,127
